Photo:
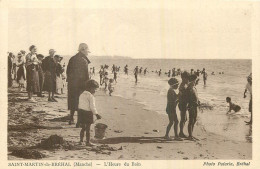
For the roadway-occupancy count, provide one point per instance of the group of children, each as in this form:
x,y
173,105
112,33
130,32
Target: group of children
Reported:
x,y
109,83
186,99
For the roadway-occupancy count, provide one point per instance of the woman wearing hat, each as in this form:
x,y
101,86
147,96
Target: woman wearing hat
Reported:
x,y
32,75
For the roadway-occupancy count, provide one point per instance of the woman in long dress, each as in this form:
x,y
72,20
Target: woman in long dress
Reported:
x,y
32,75
21,72
59,71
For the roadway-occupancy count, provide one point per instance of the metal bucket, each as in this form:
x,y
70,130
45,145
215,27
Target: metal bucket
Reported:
x,y
100,130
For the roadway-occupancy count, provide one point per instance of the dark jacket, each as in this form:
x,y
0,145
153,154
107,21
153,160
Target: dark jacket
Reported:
x,y
77,70
48,65
77,76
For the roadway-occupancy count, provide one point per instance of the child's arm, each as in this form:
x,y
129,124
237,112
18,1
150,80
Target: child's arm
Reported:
x,y
93,107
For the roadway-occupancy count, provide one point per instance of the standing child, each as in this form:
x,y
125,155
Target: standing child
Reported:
x,y
193,103
232,106
172,100
205,75
115,76
183,96
249,89
86,110
136,74
111,86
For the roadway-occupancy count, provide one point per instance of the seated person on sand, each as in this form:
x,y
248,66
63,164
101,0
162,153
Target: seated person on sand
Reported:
x,y
232,106
87,109
172,100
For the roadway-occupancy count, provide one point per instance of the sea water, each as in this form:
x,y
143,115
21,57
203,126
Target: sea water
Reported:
x,y
151,89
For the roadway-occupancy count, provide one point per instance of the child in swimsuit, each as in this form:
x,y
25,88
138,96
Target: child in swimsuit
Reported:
x,y
232,106
172,100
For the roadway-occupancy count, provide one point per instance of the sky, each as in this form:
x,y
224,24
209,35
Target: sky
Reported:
x,y
178,32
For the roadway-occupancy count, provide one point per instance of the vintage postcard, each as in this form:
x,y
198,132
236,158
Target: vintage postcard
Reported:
x,y
129,84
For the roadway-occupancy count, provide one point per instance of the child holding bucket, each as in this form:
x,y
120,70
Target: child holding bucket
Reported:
x,y
87,109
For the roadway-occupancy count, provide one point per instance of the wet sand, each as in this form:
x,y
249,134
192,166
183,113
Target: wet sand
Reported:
x,y
133,133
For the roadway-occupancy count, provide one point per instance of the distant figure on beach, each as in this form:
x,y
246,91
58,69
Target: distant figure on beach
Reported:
x,y
87,109
248,89
126,69
93,71
183,101
178,72
160,72
49,69
172,101
140,70
115,76
145,71
173,72
77,76
192,71
232,106
111,86
21,72
136,73
113,68
169,73
193,103
105,79
205,75
41,75
32,75
198,72
101,73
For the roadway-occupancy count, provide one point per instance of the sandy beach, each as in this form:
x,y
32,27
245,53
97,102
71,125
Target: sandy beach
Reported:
x,y
133,133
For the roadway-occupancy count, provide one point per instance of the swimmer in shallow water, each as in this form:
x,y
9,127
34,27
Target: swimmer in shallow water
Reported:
x,y
232,106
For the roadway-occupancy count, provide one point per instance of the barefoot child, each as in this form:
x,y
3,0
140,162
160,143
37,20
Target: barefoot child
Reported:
x,y
232,106
193,103
183,101
110,86
86,110
172,100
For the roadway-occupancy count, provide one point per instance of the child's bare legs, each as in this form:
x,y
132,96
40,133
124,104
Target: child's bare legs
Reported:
x,y
85,128
169,126
88,133
82,131
192,121
182,123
